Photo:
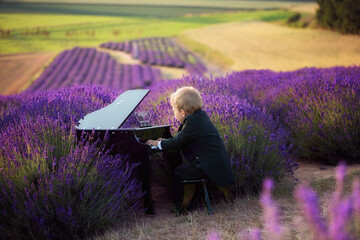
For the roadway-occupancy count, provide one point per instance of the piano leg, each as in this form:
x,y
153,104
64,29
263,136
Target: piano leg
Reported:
x,y
144,174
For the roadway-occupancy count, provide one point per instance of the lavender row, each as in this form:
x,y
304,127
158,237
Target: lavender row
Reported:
x,y
52,187
320,107
159,51
87,66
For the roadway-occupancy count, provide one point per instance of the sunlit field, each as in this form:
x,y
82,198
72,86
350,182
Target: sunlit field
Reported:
x,y
309,8
32,33
16,71
37,32
226,4
260,45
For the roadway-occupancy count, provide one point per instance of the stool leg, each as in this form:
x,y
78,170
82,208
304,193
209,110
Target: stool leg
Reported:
x,y
189,191
207,200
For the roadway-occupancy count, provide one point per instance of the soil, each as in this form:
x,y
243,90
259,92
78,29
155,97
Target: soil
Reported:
x,y
17,70
120,56
310,170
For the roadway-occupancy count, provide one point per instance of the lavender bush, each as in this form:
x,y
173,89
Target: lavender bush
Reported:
x,y
51,187
66,105
257,145
324,115
320,107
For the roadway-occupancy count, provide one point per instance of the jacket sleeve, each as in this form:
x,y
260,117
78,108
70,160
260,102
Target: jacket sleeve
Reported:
x,y
186,135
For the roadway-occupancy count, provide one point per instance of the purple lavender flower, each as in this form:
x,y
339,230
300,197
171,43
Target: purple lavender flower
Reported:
x,y
340,177
308,200
213,235
340,219
271,212
254,234
343,217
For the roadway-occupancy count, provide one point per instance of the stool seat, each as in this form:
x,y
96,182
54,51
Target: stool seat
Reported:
x,y
207,200
195,181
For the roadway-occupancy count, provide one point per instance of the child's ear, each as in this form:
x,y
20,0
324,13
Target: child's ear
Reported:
x,y
183,113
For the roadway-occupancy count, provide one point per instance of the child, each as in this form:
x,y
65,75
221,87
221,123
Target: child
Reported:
x,y
199,143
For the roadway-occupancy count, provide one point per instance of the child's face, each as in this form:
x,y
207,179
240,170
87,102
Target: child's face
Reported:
x,y
179,114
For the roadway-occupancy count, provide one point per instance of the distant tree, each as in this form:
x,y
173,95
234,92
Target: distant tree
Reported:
x,y
340,15
293,18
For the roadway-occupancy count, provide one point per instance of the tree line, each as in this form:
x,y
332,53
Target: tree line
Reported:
x,y
340,15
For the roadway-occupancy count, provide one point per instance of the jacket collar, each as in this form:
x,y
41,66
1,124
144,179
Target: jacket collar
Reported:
x,y
194,113
198,111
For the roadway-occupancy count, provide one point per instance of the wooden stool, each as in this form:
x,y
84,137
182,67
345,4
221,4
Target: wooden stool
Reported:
x,y
188,195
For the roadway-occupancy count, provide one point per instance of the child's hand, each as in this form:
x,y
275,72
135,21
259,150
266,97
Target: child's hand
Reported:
x,y
152,142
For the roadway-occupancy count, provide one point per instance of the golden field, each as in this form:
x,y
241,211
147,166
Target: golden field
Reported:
x,y
261,45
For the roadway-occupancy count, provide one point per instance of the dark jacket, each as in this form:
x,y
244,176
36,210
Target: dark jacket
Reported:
x,y
200,143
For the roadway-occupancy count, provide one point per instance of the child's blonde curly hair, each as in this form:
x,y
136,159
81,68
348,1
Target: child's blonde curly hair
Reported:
x,y
187,99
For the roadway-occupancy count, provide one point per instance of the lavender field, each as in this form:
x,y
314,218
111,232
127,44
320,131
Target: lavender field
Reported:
x,y
161,52
87,66
268,121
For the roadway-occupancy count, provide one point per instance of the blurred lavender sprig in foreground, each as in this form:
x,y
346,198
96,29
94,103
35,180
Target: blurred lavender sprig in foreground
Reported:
x,y
341,223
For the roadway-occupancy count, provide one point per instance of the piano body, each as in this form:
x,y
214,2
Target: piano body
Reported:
x,y
126,140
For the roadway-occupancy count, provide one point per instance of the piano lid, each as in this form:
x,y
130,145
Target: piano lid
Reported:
x,y
115,114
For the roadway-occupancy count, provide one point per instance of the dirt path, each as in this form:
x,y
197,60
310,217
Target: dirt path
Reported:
x,y
126,58
16,70
120,56
309,171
